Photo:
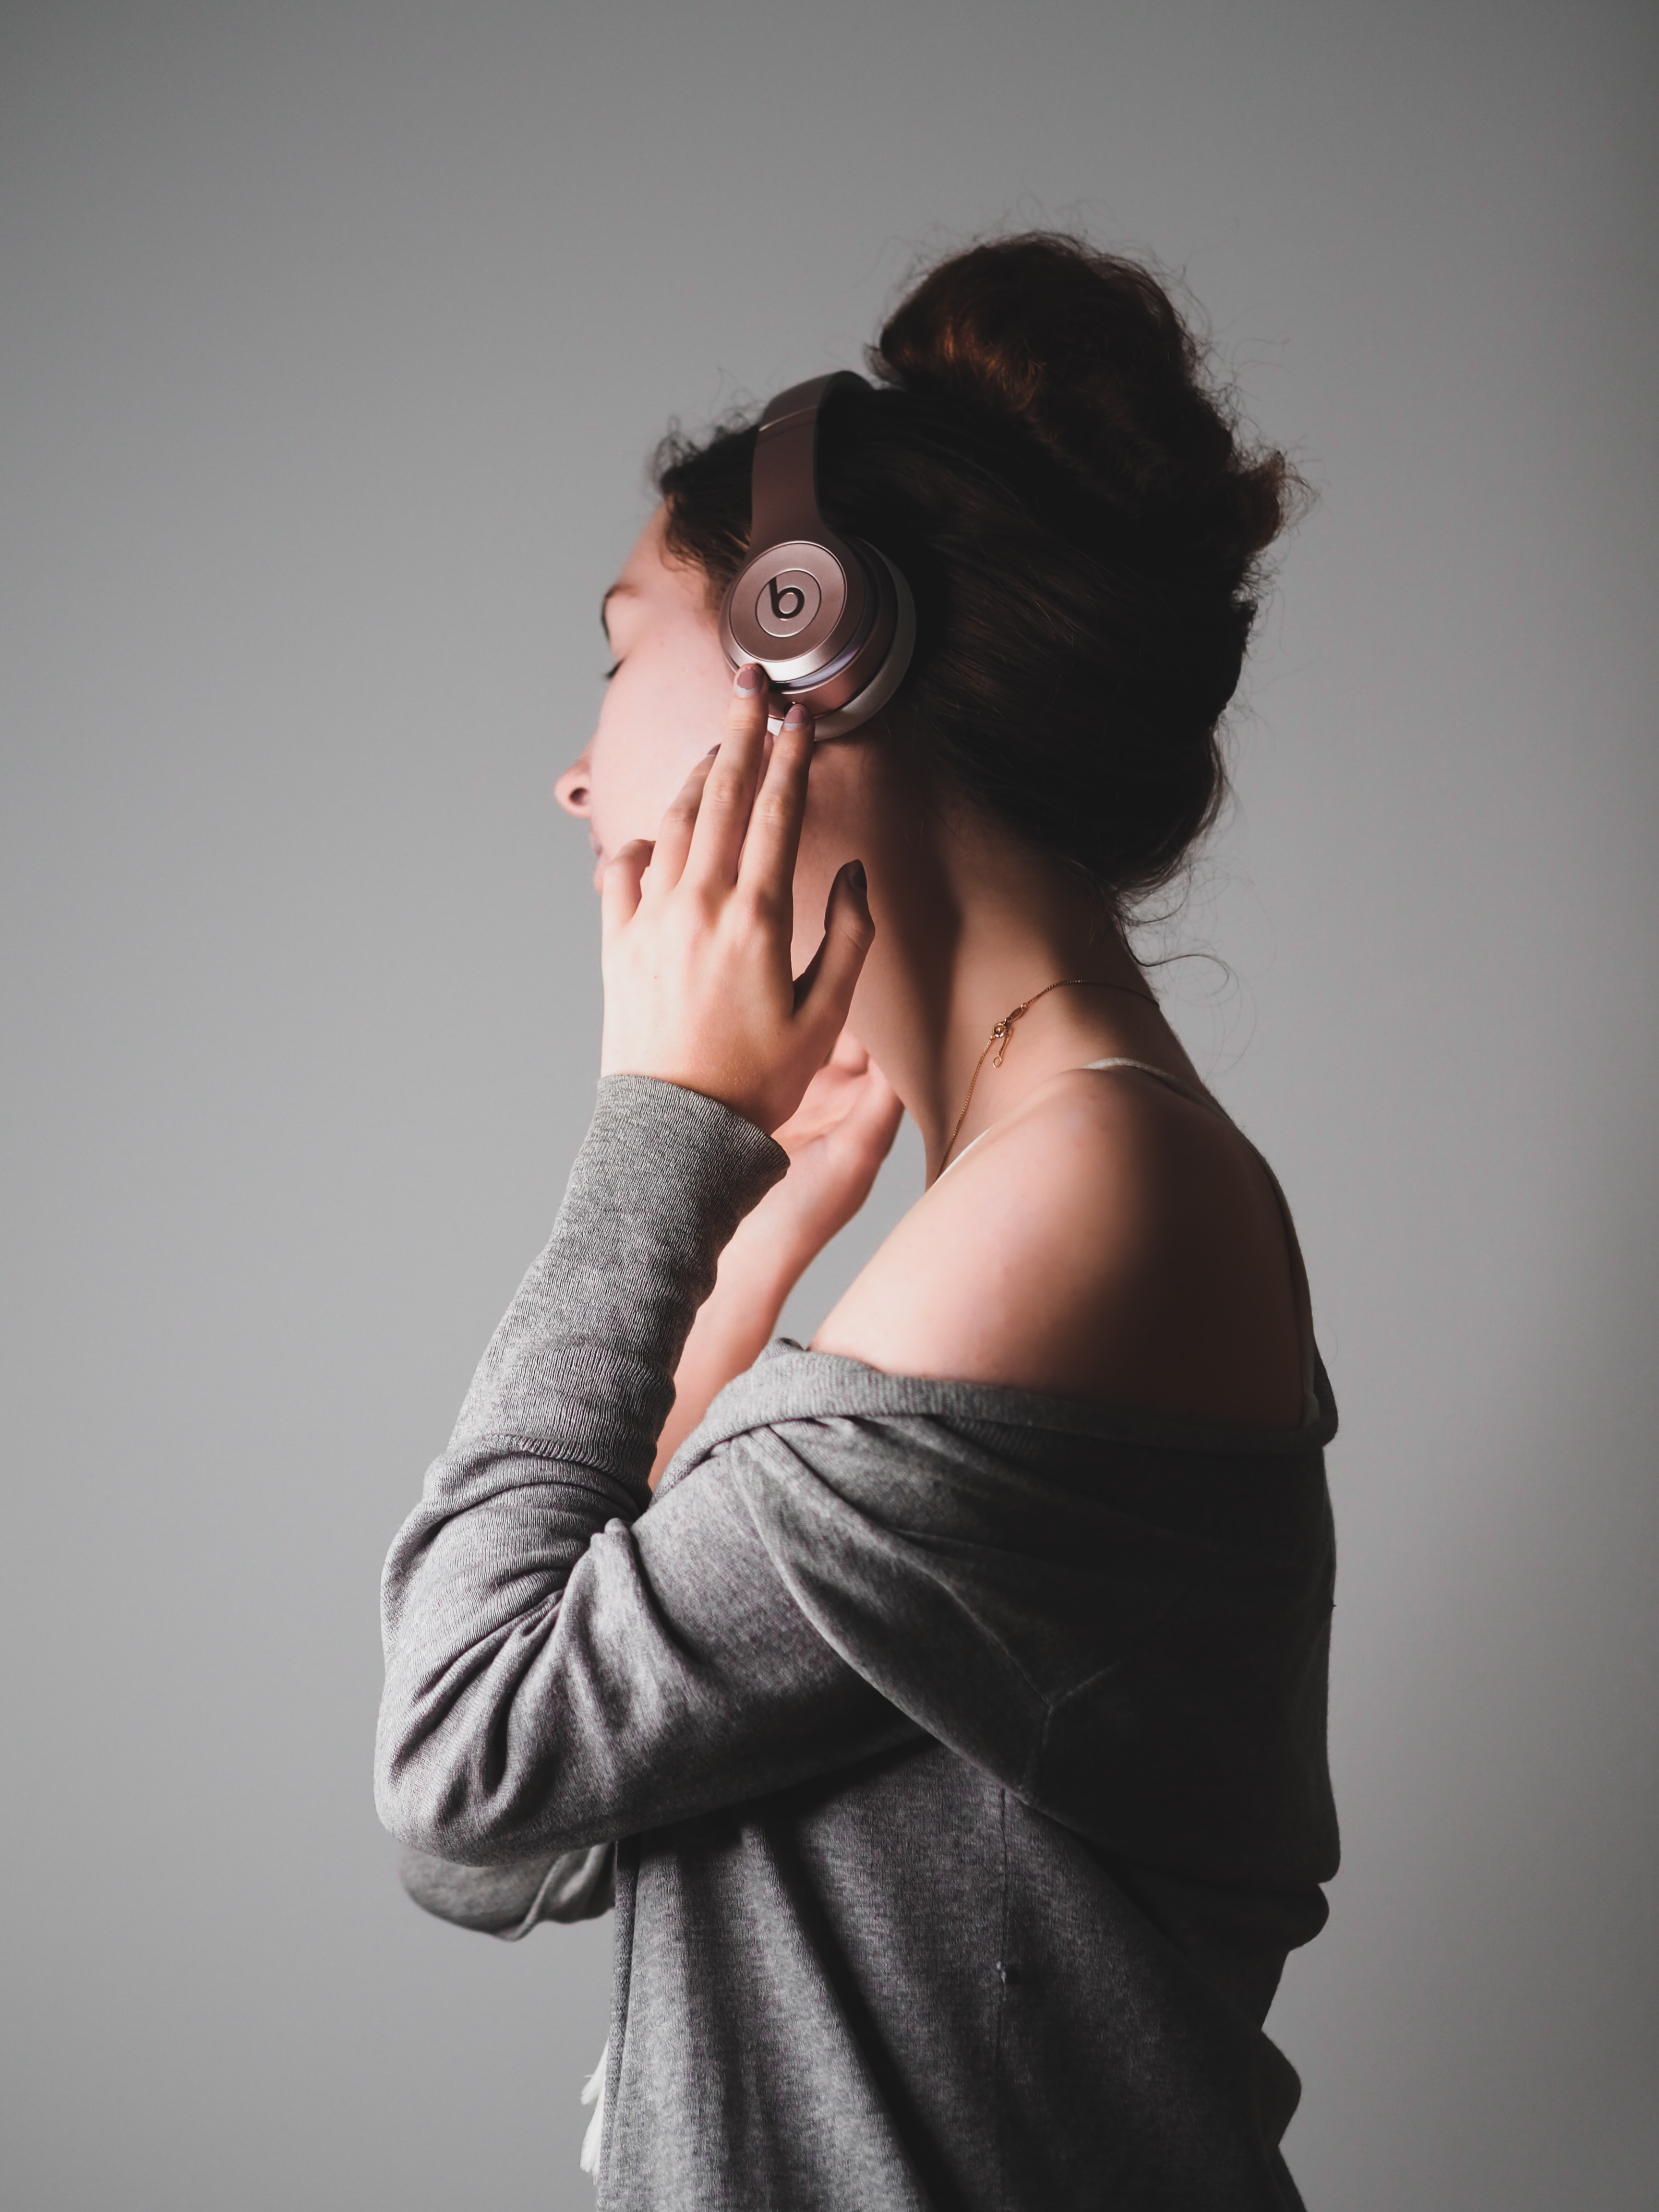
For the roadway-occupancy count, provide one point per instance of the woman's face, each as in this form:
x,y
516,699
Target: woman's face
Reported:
x,y
665,705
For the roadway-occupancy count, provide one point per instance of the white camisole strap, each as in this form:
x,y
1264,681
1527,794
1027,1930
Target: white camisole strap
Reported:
x,y
1174,1082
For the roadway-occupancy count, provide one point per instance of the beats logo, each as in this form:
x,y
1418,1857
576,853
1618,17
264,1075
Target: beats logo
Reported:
x,y
787,602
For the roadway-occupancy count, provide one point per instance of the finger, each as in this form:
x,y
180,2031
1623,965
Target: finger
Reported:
x,y
879,1105
848,1054
619,886
766,866
729,793
824,992
675,834
874,1121
845,1054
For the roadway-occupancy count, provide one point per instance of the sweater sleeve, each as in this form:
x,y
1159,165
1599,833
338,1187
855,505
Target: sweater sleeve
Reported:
x,y
508,1901
564,1667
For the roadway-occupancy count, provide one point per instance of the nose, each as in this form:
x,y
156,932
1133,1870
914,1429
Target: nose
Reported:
x,y
572,789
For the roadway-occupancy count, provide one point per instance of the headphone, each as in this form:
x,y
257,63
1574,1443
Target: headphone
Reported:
x,y
829,618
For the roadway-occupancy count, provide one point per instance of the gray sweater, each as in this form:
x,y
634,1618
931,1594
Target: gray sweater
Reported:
x,y
956,1756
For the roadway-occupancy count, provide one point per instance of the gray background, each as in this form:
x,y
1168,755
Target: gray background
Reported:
x,y
331,342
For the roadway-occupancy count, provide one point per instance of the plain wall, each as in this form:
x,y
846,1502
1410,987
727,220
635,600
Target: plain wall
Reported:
x,y
332,342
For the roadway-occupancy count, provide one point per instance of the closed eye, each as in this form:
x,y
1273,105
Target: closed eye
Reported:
x,y
612,671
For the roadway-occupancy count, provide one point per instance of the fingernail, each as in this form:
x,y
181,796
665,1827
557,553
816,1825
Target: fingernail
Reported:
x,y
858,880
796,718
711,752
751,677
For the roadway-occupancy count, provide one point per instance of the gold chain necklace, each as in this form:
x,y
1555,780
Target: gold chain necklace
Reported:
x,y
1000,1032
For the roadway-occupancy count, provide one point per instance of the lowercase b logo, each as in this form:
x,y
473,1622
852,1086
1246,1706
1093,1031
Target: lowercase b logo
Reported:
x,y
787,601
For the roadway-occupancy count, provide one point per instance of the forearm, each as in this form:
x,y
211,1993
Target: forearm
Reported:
x,y
836,1143
734,1325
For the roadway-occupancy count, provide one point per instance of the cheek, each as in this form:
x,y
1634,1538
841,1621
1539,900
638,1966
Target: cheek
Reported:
x,y
661,715
625,778
639,759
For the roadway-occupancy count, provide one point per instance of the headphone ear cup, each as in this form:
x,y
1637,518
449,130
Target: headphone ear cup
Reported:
x,y
830,619
799,607
894,667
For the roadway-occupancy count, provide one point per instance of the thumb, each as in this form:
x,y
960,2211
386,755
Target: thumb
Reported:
x,y
619,886
824,992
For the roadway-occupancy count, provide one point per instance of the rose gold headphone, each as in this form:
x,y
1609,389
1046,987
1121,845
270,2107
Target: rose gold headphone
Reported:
x,y
829,618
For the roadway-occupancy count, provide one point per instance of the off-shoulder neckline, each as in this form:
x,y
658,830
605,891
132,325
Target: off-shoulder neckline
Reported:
x,y
790,1381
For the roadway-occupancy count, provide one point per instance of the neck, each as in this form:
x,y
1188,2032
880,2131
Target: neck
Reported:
x,y
969,927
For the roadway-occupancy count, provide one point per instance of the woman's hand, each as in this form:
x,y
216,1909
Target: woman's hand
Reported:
x,y
836,1140
699,989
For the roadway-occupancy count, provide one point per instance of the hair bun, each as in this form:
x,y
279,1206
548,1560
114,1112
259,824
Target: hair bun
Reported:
x,y
1078,520
1086,352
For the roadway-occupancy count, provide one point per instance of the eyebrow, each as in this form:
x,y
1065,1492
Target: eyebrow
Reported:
x,y
628,591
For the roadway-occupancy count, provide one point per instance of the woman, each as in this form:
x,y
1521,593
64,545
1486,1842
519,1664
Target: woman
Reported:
x,y
950,1721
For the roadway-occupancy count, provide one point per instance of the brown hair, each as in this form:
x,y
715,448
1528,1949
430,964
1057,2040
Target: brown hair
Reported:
x,y
1052,467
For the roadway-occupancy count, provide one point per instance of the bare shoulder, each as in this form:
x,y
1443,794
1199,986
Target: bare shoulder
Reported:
x,y
1110,1241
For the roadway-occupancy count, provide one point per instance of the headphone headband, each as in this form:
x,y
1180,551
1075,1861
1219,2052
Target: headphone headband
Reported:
x,y
829,618
783,486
